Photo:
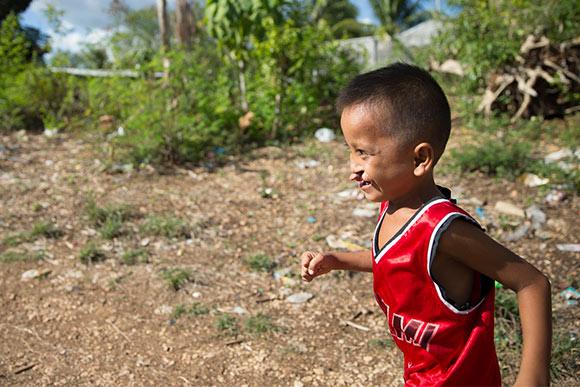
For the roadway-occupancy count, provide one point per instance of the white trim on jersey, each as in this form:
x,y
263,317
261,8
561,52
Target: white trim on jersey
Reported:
x,y
400,233
430,256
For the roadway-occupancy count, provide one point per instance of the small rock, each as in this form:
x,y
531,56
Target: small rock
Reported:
x,y
164,309
560,155
144,242
509,209
299,298
325,135
196,294
50,132
298,383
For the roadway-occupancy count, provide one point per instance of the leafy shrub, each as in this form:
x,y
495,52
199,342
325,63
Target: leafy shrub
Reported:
x,y
167,226
19,256
260,323
132,257
486,35
227,323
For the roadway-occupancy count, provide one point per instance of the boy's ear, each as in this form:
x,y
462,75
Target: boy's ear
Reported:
x,y
424,159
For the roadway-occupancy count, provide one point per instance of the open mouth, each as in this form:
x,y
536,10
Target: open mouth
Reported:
x,y
363,183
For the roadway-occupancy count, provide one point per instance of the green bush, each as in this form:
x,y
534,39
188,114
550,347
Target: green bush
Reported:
x,y
486,35
176,277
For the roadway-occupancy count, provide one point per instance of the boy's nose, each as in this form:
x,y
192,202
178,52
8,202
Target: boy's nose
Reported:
x,y
356,172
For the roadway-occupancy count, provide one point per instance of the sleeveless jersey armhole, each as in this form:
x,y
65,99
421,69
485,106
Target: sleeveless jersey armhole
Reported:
x,y
481,284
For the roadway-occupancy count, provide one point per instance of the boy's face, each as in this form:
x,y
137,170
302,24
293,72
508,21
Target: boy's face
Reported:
x,y
382,167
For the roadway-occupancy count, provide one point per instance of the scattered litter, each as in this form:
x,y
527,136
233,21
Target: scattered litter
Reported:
x,y
364,212
325,135
50,132
120,132
299,298
356,326
520,232
336,243
570,247
480,212
536,216
555,196
306,164
29,274
121,168
560,155
532,180
570,295
498,285
311,219
235,310
509,209
350,194
163,309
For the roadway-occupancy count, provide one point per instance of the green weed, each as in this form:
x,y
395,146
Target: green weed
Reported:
x,y
19,256
133,257
259,323
90,253
260,262
44,229
166,226
176,277
111,228
196,309
227,323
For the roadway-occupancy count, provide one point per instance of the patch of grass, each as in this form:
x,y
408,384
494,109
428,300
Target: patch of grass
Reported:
x,y
20,256
196,309
494,158
227,323
133,257
564,355
259,323
508,336
112,228
44,229
100,215
176,277
90,253
260,262
166,226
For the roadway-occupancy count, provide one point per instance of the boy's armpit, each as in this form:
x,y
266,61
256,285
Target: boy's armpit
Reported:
x,y
466,243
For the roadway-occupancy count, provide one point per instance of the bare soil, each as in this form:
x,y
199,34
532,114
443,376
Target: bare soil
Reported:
x,y
108,323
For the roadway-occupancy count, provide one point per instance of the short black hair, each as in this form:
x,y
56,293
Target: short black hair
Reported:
x,y
409,101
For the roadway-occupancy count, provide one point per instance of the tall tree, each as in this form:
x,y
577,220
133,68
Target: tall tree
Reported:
x,y
163,23
184,23
341,17
16,6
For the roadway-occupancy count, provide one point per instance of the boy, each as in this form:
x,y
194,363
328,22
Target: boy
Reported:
x,y
433,266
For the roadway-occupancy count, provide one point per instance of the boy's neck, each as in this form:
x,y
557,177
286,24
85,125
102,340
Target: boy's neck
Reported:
x,y
424,191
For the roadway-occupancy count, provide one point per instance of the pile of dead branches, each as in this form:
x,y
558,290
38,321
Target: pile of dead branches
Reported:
x,y
543,81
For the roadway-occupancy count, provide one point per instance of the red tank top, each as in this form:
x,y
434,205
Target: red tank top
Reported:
x,y
443,344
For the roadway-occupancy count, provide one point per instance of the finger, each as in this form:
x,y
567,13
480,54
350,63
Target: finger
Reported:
x,y
315,264
306,258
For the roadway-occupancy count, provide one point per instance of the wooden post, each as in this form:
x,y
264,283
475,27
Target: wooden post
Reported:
x,y
184,23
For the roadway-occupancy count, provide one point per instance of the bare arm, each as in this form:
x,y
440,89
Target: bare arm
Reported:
x,y
317,264
467,244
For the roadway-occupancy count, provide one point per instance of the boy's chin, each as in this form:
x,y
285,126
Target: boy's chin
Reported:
x,y
373,197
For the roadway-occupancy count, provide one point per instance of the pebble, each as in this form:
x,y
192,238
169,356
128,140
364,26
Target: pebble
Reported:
x,y
163,309
29,274
532,180
509,209
299,298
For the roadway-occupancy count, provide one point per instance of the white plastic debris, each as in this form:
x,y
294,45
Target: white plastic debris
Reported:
x,y
364,212
325,135
350,194
234,310
536,216
560,155
555,196
532,180
163,309
50,132
299,298
571,247
29,274
305,164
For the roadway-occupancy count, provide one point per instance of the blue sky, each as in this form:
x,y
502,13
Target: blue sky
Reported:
x,y
87,20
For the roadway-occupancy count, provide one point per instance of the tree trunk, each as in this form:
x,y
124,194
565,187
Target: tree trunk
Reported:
x,y
242,83
163,24
184,23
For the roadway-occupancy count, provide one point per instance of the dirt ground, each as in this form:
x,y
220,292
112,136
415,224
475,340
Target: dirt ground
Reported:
x,y
109,323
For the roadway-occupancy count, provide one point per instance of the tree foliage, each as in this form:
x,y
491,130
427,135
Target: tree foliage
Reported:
x,y
12,6
396,15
